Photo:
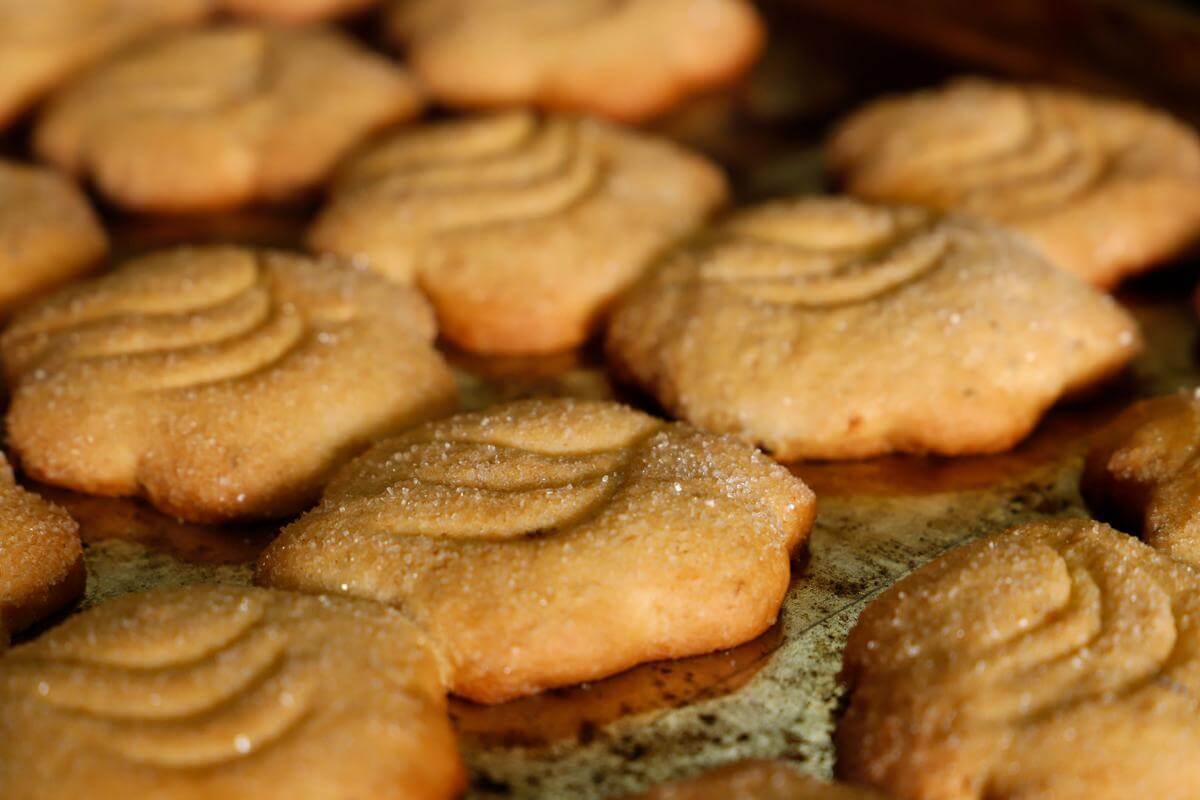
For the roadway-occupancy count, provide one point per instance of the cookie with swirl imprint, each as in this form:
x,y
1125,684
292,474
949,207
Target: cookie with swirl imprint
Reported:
x,y
1103,188
831,328
622,59
211,691
520,228
756,780
218,382
1058,660
552,541
220,117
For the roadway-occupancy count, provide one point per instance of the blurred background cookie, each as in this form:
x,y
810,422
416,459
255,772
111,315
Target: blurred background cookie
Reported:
x,y
756,780
296,11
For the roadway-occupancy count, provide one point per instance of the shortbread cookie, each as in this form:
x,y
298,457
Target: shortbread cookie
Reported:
x,y
1057,660
217,382
1102,188
1144,473
219,117
520,228
48,233
296,11
42,42
41,558
828,328
757,780
227,692
624,59
552,541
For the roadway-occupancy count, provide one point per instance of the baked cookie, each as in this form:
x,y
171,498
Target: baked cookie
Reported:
x,y
829,328
209,692
1057,660
624,59
1103,188
294,12
41,558
552,541
757,780
519,228
1143,472
48,233
219,117
42,42
217,382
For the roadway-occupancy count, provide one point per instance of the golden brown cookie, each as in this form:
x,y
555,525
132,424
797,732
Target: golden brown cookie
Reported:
x,y
217,382
294,12
756,780
227,692
1057,660
829,328
48,233
1143,472
43,42
623,59
552,541
519,228
222,116
1102,188
41,558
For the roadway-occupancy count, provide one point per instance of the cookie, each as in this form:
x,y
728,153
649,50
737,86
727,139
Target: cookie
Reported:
x,y
1103,188
520,228
756,780
1143,472
48,233
1059,659
627,60
41,558
43,42
295,12
208,692
219,117
830,328
218,382
551,541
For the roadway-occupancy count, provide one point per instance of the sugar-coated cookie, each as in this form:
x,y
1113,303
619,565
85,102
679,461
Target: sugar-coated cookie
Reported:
x,y
1058,660
1103,188
830,328
756,780
218,117
227,692
520,228
552,541
217,382
624,59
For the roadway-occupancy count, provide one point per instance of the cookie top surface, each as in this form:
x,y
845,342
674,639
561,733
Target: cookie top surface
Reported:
x,y
221,116
552,541
227,692
1103,188
628,59
1059,659
295,12
831,328
218,382
484,213
756,780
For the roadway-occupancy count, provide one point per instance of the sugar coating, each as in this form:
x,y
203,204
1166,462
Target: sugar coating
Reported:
x,y
217,382
553,541
756,780
1056,660
1102,188
227,692
41,558
520,228
626,60
217,117
832,328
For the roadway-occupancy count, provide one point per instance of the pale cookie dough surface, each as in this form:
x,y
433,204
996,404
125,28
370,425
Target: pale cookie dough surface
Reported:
x,y
756,780
551,541
224,692
520,228
1103,188
830,328
218,382
624,59
222,116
